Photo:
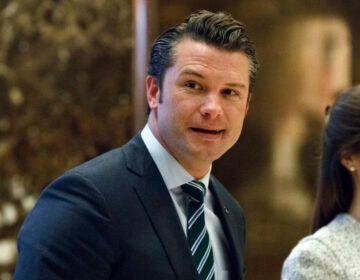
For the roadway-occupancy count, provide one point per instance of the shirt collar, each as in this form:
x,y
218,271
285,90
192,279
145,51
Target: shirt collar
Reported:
x,y
171,170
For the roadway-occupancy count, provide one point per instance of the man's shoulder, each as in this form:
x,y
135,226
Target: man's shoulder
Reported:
x,y
102,174
103,160
114,158
108,167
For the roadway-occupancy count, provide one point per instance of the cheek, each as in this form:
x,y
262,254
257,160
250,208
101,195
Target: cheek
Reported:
x,y
180,107
237,115
168,114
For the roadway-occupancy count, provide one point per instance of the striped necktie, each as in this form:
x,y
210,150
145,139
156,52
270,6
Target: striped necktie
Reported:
x,y
198,236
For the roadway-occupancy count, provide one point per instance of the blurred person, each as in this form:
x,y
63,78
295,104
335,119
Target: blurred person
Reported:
x,y
137,212
333,249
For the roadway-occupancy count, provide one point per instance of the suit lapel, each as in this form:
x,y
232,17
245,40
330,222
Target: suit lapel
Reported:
x,y
235,234
160,209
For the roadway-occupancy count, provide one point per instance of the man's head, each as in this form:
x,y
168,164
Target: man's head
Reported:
x,y
215,29
198,88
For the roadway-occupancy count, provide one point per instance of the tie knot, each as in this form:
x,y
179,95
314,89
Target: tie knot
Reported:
x,y
196,189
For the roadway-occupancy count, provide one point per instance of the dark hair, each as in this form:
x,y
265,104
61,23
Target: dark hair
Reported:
x,y
216,29
341,137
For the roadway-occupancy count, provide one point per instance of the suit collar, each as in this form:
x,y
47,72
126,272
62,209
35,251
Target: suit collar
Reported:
x,y
170,169
156,200
229,221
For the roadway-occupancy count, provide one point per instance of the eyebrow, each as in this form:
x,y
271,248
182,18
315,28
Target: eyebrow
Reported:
x,y
194,73
191,73
236,85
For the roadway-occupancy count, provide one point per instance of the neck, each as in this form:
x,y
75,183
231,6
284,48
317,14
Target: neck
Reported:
x,y
199,174
198,170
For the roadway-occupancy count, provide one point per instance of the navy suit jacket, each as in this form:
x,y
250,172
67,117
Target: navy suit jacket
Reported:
x,y
113,218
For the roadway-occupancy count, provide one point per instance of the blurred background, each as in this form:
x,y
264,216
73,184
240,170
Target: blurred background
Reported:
x,y
72,86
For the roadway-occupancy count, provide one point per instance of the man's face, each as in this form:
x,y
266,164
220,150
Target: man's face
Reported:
x,y
204,103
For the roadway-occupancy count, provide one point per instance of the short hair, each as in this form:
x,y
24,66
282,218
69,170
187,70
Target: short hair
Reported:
x,y
219,29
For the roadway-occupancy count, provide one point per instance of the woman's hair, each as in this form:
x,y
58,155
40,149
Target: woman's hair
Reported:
x,y
341,138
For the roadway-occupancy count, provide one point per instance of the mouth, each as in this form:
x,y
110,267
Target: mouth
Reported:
x,y
208,131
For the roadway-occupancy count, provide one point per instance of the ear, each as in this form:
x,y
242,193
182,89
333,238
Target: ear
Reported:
x,y
347,162
152,92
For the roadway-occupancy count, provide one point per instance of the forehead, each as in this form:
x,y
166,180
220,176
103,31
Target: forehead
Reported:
x,y
199,56
193,45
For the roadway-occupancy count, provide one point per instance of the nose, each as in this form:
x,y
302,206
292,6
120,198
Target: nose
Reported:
x,y
211,106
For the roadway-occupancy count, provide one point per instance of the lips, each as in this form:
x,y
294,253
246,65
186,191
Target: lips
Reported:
x,y
207,131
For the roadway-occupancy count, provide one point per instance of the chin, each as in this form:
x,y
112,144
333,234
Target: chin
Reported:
x,y
211,157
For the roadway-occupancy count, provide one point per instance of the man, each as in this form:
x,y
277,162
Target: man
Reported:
x,y
137,212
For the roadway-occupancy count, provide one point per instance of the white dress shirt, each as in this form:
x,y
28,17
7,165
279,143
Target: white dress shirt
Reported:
x,y
174,175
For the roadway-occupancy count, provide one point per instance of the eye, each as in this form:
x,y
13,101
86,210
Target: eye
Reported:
x,y
192,85
229,92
